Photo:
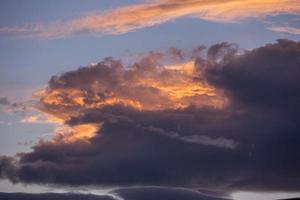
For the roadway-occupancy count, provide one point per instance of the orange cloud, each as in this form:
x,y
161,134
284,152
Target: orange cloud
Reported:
x,y
132,17
157,82
141,87
71,134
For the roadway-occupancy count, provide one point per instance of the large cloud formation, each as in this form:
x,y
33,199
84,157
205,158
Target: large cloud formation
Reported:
x,y
214,119
150,13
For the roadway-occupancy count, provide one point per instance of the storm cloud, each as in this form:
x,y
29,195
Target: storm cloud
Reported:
x,y
218,120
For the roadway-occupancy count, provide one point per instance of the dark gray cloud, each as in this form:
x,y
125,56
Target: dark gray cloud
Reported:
x,y
252,143
267,77
162,193
7,168
4,101
146,158
51,196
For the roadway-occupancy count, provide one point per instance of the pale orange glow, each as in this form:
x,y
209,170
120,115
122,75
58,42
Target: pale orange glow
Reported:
x,y
125,102
185,68
30,119
147,14
42,118
180,87
76,133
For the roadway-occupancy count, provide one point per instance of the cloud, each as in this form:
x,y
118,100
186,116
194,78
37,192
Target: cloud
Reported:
x,y
157,81
4,101
254,84
7,168
197,139
138,193
41,119
205,140
20,107
285,29
133,17
150,193
48,196
219,120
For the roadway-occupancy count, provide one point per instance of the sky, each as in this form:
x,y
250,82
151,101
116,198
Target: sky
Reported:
x,y
150,98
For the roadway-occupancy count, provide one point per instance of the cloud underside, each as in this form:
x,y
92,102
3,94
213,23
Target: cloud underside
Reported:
x,y
50,196
137,193
213,119
148,14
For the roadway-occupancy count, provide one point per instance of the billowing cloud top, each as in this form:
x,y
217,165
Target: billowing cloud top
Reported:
x,y
213,119
151,13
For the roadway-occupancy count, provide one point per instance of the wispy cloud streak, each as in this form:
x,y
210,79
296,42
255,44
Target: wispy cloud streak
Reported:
x,y
132,17
285,29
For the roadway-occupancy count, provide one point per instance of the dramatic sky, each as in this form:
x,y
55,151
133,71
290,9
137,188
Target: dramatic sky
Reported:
x,y
149,99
